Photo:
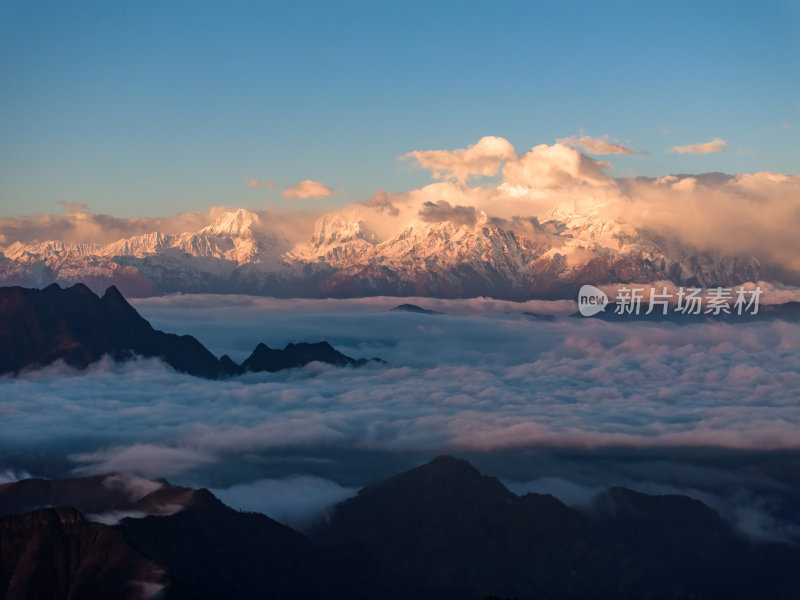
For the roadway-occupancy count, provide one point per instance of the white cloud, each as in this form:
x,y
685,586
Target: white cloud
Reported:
x,y
715,145
546,166
308,189
746,215
480,159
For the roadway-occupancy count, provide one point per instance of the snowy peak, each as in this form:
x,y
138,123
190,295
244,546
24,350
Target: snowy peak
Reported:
x,y
51,248
140,245
462,254
234,224
335,229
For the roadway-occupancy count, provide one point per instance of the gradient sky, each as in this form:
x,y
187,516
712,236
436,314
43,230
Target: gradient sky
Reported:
x,y
142,108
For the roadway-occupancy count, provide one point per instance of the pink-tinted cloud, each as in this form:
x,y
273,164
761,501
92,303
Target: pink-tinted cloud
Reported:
x,y
481,159
308,189
596,145
715,145
546,166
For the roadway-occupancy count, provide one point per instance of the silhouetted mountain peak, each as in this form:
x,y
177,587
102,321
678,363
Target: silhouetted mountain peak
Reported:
x,y
38,327
413,308
112,293
444,483
81,288
295,355
450,462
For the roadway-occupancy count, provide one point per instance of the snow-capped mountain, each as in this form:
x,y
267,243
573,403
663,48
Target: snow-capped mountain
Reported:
x,y
239,253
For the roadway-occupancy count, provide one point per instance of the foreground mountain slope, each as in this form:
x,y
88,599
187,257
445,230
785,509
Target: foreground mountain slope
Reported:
x,y
104,498
202,550
54,553
439,531
459,534
38,327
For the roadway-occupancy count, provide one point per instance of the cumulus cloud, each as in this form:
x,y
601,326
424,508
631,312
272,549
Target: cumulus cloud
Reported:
x,y
596,145
715,145
480,159
732,216
436,212
546,166
308,188
381,201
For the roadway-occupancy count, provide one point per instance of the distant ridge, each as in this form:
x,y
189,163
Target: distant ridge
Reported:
x,y
413,308
39,327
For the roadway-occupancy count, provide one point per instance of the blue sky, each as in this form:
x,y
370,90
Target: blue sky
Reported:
x,y
153,108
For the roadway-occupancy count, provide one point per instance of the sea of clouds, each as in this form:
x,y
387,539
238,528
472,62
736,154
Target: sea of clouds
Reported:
x,y
568,406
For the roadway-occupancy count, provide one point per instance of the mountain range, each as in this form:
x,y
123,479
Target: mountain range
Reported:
x,y
439,531
39,327
516,259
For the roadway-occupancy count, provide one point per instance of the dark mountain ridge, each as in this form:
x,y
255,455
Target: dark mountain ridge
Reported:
x,y
413,308
439,531
38,327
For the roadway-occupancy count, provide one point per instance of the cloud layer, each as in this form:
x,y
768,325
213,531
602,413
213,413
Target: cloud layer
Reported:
x,y
452,383
568,406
